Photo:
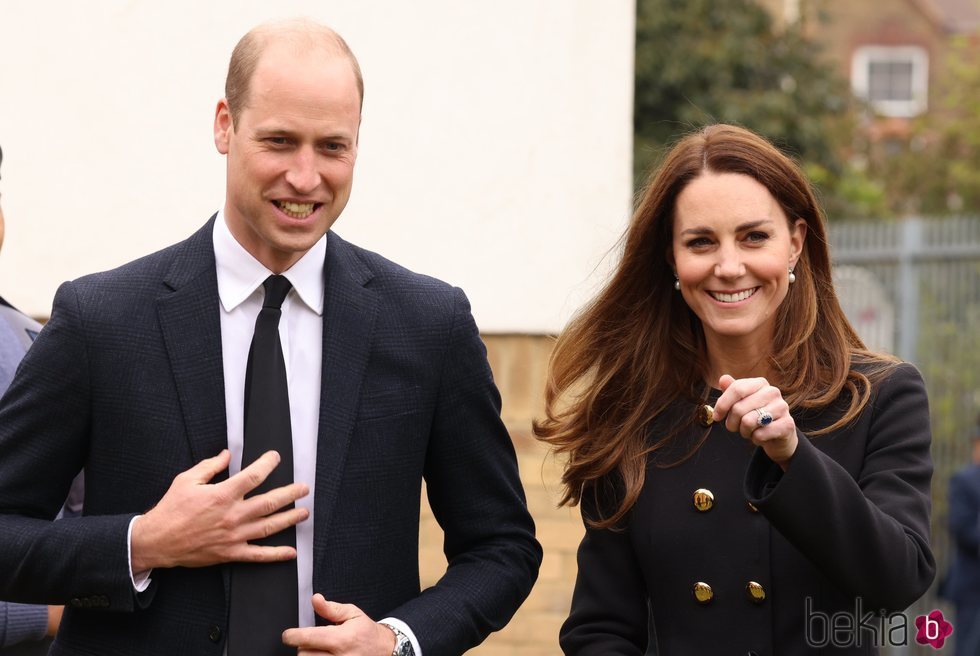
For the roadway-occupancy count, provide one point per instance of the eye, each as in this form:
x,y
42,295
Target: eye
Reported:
x,y
757,237
276,141
698,243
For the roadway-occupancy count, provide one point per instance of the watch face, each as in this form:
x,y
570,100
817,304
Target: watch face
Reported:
x,y
403,646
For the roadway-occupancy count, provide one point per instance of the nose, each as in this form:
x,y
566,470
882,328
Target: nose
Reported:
x,y
302,174
729,264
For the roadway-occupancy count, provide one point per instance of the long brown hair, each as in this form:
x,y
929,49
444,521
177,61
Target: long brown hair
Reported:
x,y
637,347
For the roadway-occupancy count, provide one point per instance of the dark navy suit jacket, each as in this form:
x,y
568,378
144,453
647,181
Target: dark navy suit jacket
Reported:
x,y
963,579
126,381
20,624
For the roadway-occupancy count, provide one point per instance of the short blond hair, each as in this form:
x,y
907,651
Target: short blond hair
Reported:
x,y
303,33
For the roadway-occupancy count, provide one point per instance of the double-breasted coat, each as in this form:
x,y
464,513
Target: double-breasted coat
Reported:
x,y
724,553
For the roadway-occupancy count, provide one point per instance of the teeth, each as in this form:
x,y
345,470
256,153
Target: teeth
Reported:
x,y
733,298
296,210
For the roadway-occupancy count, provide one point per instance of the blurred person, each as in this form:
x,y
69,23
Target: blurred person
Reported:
x,y
17,330
255,409
962,583
747,469
28,626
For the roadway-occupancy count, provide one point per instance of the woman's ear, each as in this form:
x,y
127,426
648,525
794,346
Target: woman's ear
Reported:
x,y
797,237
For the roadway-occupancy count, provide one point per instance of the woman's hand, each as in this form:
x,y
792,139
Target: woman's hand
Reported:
x,y
756,410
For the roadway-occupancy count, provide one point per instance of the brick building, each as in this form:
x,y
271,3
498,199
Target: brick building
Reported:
x,y
519,363
893,52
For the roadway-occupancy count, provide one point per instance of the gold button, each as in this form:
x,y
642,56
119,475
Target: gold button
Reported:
x,y
752,508
706,415
703,592
755,591
704,499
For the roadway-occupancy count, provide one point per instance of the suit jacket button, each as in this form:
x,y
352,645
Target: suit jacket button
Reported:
x,y
214,633
755,591
703,592
704,499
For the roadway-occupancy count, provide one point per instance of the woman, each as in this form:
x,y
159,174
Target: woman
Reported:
x,y
748,471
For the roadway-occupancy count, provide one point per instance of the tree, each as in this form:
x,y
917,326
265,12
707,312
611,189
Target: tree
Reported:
x,y
707,61
937,170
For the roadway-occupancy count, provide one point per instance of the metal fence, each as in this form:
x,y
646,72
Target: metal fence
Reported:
x,y
912,288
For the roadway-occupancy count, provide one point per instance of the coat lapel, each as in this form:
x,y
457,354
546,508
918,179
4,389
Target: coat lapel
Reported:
x,y
349,313
190,323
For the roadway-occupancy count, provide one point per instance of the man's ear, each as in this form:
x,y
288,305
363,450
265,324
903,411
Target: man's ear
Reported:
x,y
223,126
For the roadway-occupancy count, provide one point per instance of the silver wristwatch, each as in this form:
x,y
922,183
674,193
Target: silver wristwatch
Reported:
x,y
403,646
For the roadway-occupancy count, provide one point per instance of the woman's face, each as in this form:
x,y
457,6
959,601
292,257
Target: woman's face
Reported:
x,y
732,250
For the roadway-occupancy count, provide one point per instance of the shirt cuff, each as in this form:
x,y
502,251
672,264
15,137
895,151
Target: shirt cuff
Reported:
x,y
140,580
22,623
401,626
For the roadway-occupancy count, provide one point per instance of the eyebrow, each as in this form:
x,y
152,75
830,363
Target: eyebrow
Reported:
x,y
261,133
264,131
742,227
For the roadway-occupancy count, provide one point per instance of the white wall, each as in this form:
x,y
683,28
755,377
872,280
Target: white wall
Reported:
x,y
495,147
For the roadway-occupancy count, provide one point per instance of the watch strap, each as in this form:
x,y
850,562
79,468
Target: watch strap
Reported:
x,y
403,644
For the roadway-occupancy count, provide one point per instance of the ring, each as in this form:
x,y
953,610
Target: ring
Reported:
x,y
764,417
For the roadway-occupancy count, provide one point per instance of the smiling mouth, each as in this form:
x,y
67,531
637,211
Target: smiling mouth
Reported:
x,y
733,298
296,210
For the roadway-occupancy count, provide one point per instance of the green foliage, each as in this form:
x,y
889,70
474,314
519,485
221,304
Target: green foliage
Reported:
x,y
708,61
937,170
854,193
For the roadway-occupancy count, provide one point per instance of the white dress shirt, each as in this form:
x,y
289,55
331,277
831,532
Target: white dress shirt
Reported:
x,y
240,278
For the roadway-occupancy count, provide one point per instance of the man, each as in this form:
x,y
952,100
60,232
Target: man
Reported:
x,y
962,584
24,628
148,377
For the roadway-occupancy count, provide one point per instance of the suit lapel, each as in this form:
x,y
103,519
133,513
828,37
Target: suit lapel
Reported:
x,y
189,318
190,323
349,313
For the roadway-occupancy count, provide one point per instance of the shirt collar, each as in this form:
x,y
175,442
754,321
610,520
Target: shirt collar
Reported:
x,y
240,274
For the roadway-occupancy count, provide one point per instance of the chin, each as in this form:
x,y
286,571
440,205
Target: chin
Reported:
x,y
733,331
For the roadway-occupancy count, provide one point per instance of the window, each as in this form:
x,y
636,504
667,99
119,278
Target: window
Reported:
x,y
894,79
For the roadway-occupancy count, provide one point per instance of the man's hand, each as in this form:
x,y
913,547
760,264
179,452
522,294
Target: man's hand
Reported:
x,y
54,620
198,523
353,633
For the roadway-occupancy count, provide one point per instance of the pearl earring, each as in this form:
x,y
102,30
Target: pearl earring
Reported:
x,y
677,283
792,277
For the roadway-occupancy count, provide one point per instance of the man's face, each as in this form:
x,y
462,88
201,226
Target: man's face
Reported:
x,y
290,158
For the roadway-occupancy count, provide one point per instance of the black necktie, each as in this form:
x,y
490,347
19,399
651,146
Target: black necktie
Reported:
x,y
264,595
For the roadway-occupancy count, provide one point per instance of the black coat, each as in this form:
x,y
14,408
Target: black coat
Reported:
x,y
844,530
